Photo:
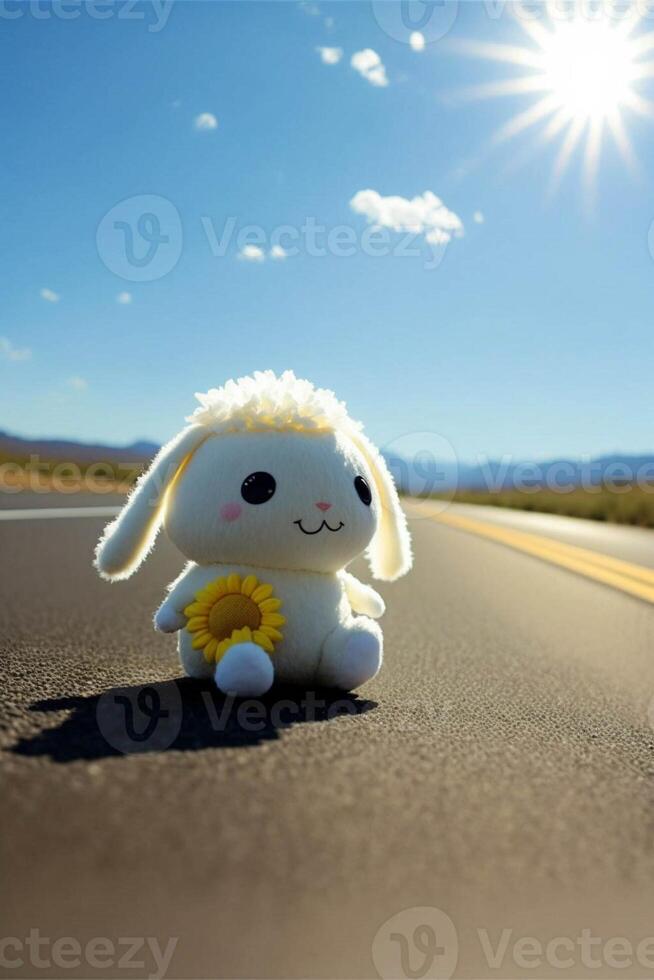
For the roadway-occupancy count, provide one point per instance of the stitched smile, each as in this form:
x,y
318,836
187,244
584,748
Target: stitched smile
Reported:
x,y
318,530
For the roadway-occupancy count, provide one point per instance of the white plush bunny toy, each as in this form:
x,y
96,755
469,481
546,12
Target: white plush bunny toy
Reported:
x,y
270,491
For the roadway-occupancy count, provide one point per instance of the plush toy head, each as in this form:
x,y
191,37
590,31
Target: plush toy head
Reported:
x,y
271,472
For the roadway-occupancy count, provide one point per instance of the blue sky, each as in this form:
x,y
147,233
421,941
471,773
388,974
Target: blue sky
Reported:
x,y
533,336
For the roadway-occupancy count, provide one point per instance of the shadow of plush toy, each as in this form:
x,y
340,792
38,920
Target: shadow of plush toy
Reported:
x,y
178,715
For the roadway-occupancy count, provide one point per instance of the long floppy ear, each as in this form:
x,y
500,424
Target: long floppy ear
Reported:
x,y
389,552
128,539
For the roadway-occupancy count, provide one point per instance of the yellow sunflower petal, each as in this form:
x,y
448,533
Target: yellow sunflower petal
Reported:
x,y
263,641
209,594
196,623
262,592
197,609
210,649
201,640
233,582
222,648
273,619
274,634
270,605
249,584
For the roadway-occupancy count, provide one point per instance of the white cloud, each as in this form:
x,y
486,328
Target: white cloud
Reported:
x,y
309,8
417,41
425,214
478,217
124,298
206,121
11,353
330,56
252,253
50,296
369,65
277,252
77,383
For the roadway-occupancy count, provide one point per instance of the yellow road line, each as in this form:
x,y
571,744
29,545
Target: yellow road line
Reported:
x,y
634,579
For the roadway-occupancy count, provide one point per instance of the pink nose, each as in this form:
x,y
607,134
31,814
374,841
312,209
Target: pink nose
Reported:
x,y
322,505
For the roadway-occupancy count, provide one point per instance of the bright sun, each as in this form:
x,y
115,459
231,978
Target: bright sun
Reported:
x,y
584,66
589,67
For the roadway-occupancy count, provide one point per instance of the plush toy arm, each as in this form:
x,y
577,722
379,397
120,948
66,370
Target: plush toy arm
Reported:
x,y
362,598
170,617
167,619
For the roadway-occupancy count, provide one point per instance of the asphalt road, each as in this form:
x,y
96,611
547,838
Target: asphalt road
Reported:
x,y
500,769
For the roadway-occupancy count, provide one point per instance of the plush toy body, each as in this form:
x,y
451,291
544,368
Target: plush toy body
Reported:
x,y
270,492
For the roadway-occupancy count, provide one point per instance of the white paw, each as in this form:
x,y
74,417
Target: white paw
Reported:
x,y
168,620
245,671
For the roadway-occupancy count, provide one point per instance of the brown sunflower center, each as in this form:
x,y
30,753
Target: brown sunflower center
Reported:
x,y
233,612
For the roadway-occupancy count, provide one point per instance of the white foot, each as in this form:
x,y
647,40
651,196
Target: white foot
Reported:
x,y
351,656
246,671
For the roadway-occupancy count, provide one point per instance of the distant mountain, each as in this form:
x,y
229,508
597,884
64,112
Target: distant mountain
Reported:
x,y
78,452
418,476
425,475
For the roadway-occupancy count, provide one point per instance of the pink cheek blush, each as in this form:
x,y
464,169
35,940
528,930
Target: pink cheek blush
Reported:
x,y
231,511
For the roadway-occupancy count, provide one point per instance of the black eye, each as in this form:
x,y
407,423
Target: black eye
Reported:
x,y
258,487
363,490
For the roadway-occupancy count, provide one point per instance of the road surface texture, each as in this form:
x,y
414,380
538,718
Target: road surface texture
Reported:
x,y
500,769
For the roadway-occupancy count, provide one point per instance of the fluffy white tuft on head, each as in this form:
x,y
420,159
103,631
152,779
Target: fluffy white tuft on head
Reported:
x,y
266,401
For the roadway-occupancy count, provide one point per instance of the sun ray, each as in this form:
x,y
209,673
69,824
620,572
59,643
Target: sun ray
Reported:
x,y
532,27
507,53
544,107
644,71
630,20
591,159
507,86
643,44
558,122
644,107
564,155
617,129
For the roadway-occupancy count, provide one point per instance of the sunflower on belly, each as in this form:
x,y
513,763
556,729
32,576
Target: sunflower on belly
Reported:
x,y
230,611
